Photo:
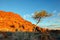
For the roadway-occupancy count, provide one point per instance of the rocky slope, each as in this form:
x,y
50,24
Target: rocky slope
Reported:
x,y
12,22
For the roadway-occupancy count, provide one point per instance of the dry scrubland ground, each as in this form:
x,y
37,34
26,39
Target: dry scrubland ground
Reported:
x,y
29,36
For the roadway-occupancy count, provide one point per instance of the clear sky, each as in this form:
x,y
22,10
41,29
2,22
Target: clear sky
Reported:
x,y
26,8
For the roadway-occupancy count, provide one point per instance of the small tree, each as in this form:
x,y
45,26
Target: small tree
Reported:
x,y
39,15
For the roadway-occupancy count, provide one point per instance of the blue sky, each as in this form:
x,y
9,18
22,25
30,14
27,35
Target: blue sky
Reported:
x,y
26,8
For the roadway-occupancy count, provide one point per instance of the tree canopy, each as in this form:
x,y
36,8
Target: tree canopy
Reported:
x,y
41,14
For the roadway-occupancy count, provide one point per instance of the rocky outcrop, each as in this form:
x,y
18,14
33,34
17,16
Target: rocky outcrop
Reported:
x,y
12,22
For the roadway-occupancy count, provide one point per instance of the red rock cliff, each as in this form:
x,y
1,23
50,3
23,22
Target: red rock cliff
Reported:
x,y
10,21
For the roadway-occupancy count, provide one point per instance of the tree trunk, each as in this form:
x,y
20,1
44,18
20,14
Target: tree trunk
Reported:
x,y
38,20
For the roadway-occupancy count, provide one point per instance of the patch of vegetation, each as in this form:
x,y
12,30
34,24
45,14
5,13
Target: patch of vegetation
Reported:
x,y
29,36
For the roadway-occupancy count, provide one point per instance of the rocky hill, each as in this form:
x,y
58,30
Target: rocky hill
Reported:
x,y
12,22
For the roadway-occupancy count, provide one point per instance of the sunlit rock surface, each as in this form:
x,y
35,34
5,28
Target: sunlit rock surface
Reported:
x,y
12,22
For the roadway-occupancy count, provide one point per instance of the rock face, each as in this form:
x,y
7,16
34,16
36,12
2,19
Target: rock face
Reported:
x,y
12,22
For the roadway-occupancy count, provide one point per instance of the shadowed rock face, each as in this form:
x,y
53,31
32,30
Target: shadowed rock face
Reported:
x,y
12,22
